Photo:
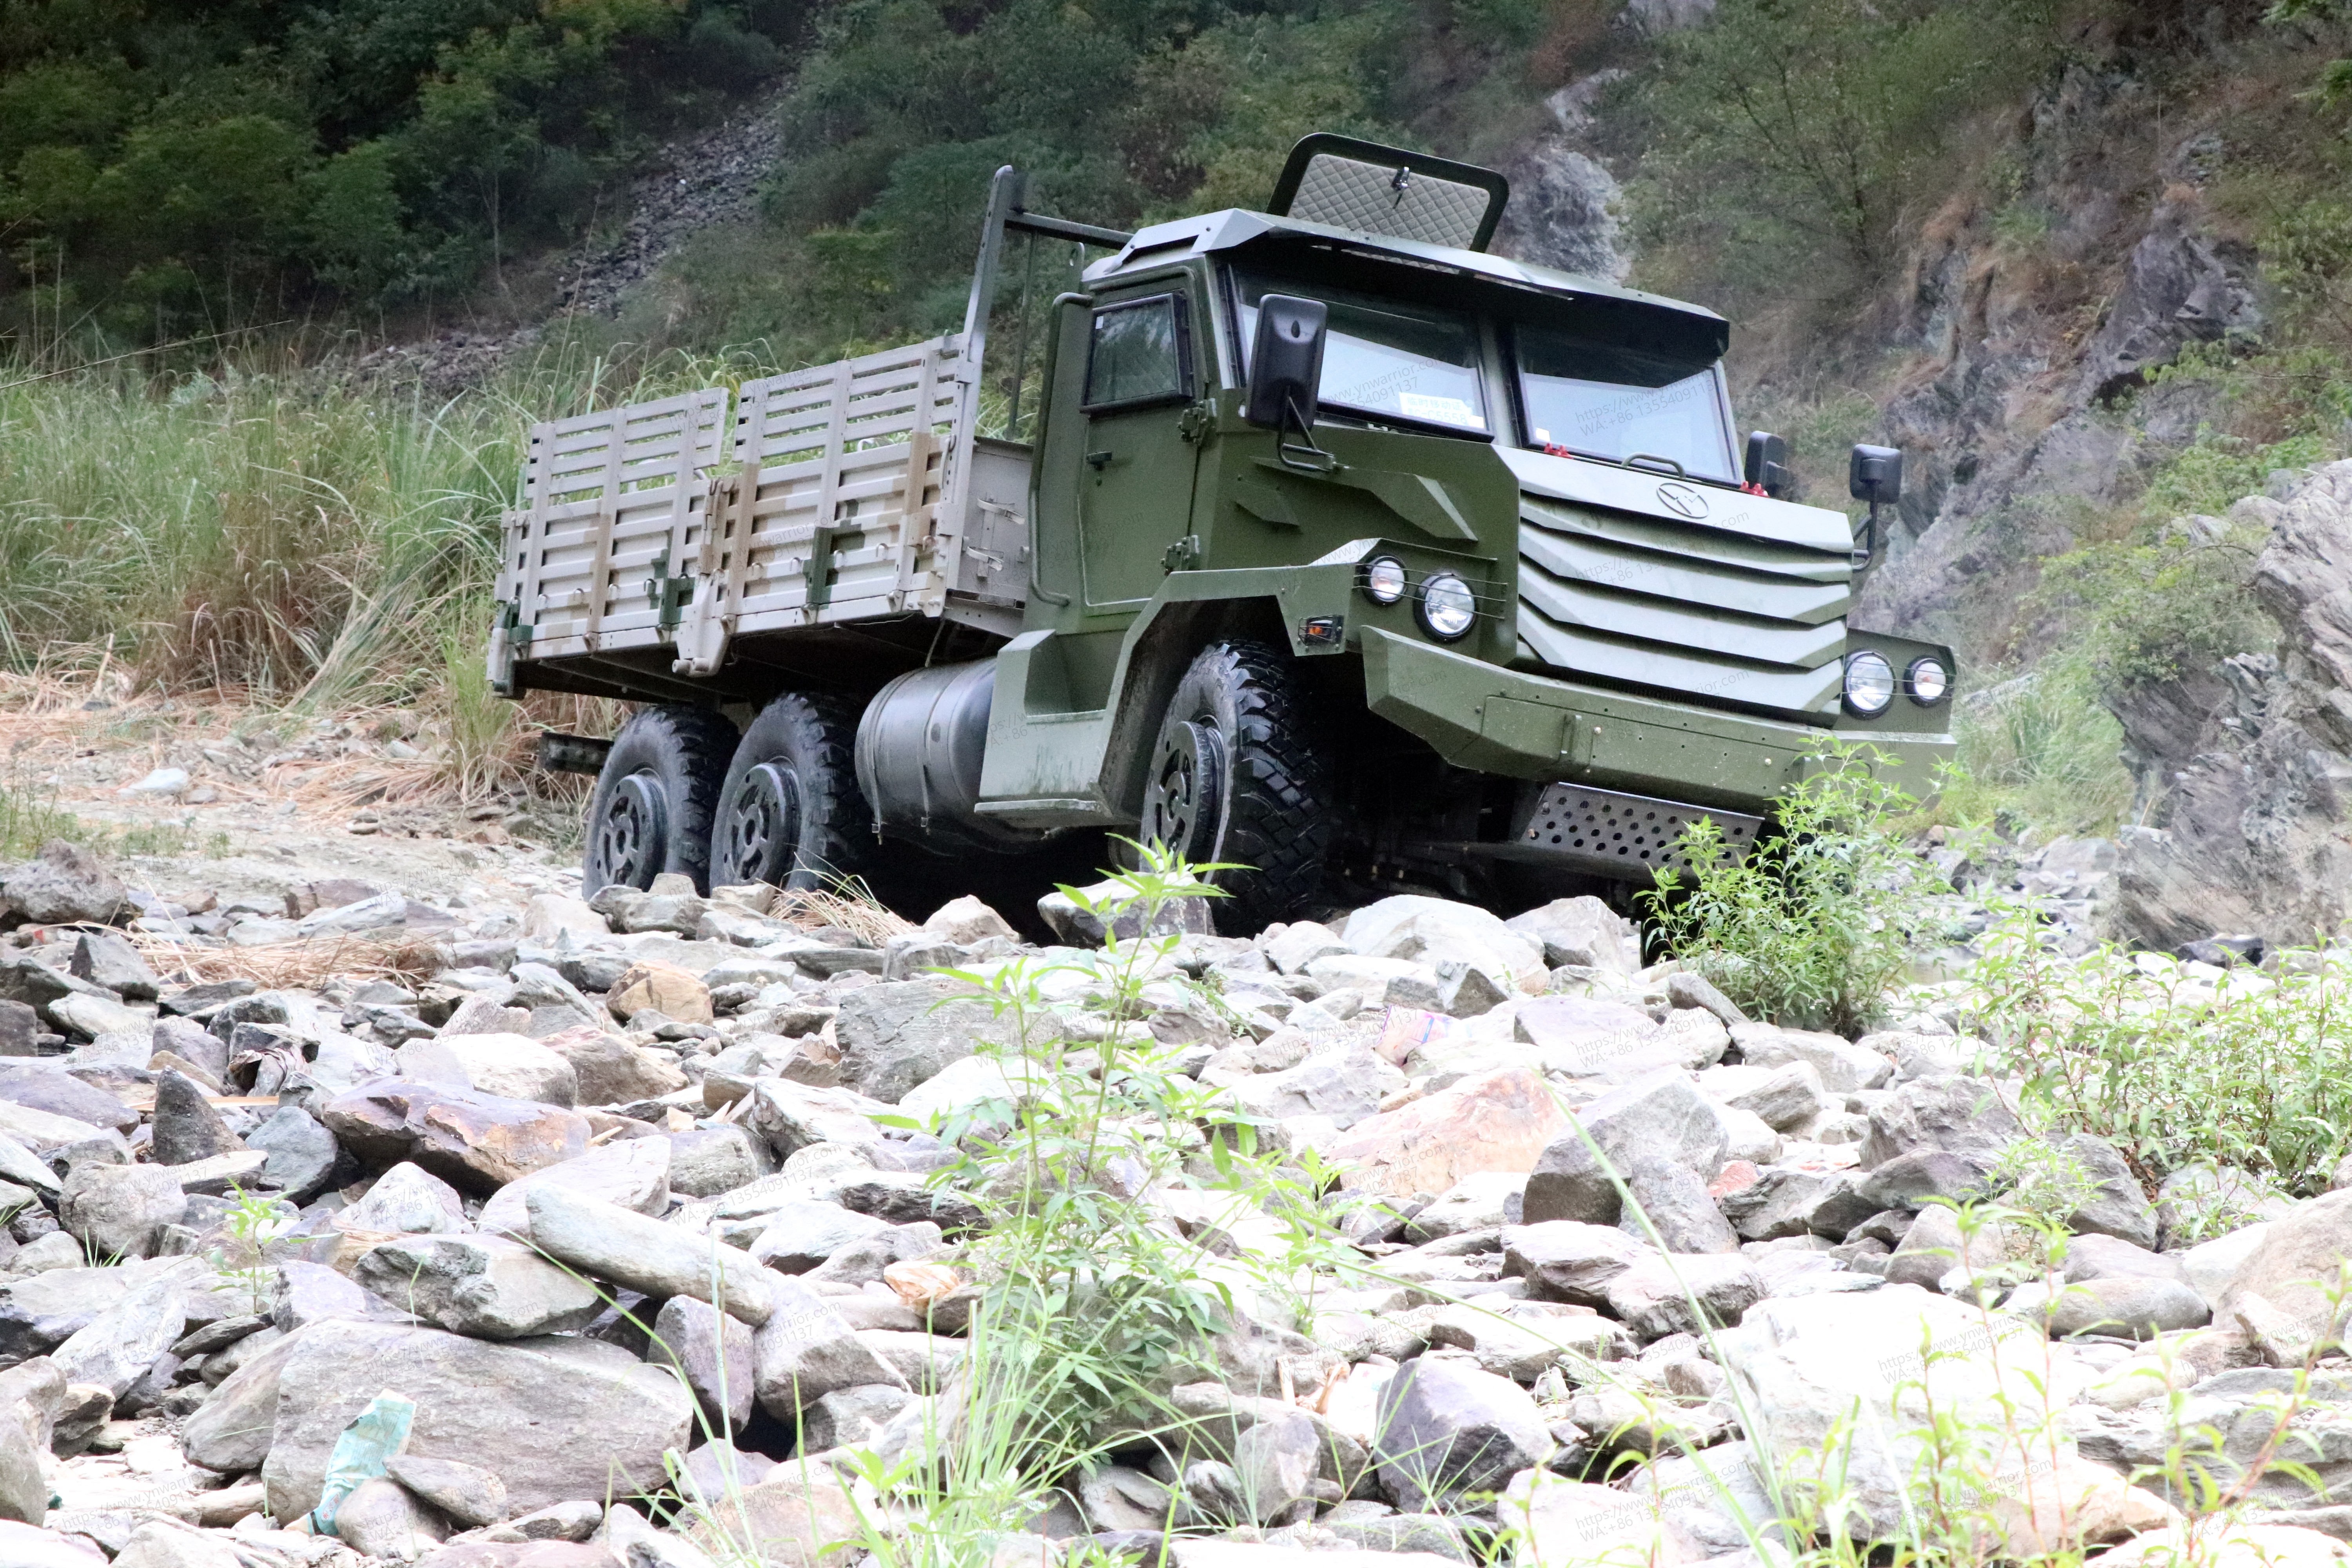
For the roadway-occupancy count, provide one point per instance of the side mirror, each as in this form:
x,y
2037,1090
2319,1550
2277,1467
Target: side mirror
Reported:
x,y
1768,464
1875,475
1285,362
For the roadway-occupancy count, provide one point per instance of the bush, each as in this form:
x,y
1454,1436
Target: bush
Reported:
x,y
1814,926
2038,751
2159,605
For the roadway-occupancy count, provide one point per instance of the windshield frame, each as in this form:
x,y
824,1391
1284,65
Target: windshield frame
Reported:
x,y
1515,374
1482,368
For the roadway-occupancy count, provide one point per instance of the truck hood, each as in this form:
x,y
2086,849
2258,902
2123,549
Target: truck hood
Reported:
x,y
1709,594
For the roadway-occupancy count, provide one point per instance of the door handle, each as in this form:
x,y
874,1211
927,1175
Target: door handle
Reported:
x,y
1100,460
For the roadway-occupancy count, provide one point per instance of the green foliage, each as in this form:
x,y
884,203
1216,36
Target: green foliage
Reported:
x,y
2159,605
1815,924
1791,133
2038,751
2248,1071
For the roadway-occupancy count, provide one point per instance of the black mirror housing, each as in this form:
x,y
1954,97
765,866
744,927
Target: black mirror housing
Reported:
x,y
1285,362
1875,475
1768,464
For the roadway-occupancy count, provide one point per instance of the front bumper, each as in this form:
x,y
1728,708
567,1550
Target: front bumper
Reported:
x,y
1496,721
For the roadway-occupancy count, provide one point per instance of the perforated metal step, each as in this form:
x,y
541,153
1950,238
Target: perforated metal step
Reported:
x,y
1620,835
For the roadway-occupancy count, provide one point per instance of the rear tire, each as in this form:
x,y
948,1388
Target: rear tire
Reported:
x,y
790,811
1239,774
651,811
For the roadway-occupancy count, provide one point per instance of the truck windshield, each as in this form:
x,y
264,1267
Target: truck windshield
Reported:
x,y
1609,401
1384,357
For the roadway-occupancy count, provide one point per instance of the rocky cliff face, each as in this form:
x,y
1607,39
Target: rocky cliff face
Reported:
x,y
2252,763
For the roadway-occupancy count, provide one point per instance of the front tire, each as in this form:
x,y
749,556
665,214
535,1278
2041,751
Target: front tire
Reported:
x,y
790,812
651,812
1238,774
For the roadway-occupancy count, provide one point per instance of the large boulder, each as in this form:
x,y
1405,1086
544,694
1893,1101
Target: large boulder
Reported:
x,y
632,1172
486,1287
1439,932
230,1432
65,885
1583,931
118,1211
405,1199
611,1072
1496,1121
1446,1429
2279,1294
608,1242
1660,1116
514,1067
898,1034
555,1418
1960,1115
479,1141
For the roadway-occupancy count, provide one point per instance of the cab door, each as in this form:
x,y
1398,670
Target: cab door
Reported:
x,y
1135,489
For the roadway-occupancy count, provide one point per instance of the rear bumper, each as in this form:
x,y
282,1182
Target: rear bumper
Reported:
x,y
1496,721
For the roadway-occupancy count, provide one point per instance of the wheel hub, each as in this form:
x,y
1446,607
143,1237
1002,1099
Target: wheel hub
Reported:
x,y
763,827
1184,798
633,835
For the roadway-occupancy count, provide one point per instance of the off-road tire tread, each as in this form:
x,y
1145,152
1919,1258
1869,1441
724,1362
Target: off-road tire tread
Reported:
x,y
824,729
702,741
1282,818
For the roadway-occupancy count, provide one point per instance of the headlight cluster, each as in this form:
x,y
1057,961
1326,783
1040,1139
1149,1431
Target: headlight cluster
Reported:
x,y
1871,683
1443,604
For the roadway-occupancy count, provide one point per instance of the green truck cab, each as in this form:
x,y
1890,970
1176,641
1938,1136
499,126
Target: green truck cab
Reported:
x,y
1337,548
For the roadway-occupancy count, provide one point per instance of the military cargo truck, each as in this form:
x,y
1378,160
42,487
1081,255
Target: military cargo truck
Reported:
x,y
1318,540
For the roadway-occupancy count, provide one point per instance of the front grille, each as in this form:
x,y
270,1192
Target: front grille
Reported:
x,y
1694,611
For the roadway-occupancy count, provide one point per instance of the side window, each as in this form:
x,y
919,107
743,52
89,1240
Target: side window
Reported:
x,y
1140,353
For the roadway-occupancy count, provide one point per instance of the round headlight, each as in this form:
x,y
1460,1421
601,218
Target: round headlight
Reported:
x,y
1448,608
1927,680
1383,579
1869,684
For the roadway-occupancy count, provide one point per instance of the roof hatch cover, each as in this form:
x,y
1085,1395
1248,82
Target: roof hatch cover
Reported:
x,y
1351,184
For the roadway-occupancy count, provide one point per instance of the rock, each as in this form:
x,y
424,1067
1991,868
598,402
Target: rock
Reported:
x,y
550,916
107,960
2131,1307
167,1543
608,1242
1685,989
1566,1523
1567,1260
1850,1367
1844,1068
1521,1342
1780,1202
2279,1292
898,1034
1437,931
1486,1201
852,1417
186,1127
1346,1085
1584,1035
1674,1209
1662,1115
1934,1248
611,1072
2117,1206
791,1116
1277,1462
405,1199
1960,1115
1300,943
302,1153
632,1172
1786,1098
20,1028
118,1346
61,1094
2219,1543
1583,931
483,1286
712,1351
675,993
1717,1500
2211,1266
1495,1122
1103,910
2200,1201
66,885
792,1520
801,1236
548,1555
710,1160
513,1066
381,1518
469,1494
42,1132
231,1431
1911,1180
116,1211
2098,1257
1447,1429
477,1140
26,1546
555,1420
24,1490
1656,1296
102,1019
806,1351
967,923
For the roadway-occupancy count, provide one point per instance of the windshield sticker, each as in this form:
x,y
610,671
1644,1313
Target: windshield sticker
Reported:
x,y
1379,389
1441,410
1636,406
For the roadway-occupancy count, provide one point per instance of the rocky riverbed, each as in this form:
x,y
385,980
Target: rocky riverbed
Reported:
x,y
539,1233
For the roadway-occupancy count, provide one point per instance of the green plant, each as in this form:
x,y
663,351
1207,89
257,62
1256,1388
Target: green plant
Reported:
x,y
1812,927
2157,607
253,1221
2037,750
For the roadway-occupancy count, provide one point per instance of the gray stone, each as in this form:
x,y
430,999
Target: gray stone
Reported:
x,y
302,1153
1583,931
851,1418
1567,1260
512,1066
1960,1115
1681,1215
1446,1429
2104,1257
805,1351
1523,1340
605,1241
574,1520
118,1211
24,1490
1844,1065
101,1019
1908,1180
791,1116
312,1292
20,1029
51,1088
186,1127
168,1544
2117,1206
66,885
1346,1085
468,1493
24,1168
633,1173
712,1351
406,1199
1687,1293
1685,989
799,1236
897,1033
1662,1115
231,1431
483,1286
1781,1202
787,1521
1786,1097
104,958
2202,1202
479,1141
116,1347
383,1519
710,1160
2279,1293
612,1071
1278,1462
555,1418
2134,1307
1485,1200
